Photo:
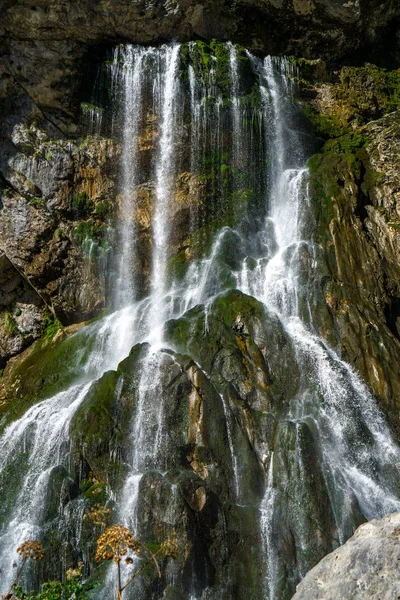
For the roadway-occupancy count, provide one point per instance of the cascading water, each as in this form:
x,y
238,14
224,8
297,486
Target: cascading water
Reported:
x,y
339,404
129,68
165,172
247,157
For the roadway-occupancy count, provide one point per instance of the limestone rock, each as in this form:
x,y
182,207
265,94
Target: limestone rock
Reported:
x,y
22,310
357,225
365,567
55,199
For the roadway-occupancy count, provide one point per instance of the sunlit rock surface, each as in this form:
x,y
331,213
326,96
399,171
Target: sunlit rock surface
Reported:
x,y
365,567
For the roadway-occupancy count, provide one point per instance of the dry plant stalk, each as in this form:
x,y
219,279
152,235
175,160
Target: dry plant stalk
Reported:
x,y
115,543
30,549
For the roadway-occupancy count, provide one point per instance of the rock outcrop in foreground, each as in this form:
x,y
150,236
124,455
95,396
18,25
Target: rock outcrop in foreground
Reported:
x,y
367,566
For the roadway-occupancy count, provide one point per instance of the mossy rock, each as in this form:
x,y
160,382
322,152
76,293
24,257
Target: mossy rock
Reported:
x,y
238,325
357,96
329,173
60,490
11,478
43,370
99,431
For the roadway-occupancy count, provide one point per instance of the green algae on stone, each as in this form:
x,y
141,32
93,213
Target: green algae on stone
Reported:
x,y
99,428
44,369
239,325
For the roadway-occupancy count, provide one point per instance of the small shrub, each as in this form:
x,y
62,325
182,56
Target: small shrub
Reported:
x,y
117,543
29,550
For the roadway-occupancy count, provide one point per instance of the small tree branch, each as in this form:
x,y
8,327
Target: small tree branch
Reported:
x,y
148,561
9,593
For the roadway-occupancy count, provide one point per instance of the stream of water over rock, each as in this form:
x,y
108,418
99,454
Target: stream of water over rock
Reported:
x,y
330,462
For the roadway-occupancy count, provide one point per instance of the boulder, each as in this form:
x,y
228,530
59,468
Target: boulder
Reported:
x,y
366,566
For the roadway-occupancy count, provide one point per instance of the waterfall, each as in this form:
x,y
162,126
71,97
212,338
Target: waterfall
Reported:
x,y
128,66
236,109
164,189
352,466
238,115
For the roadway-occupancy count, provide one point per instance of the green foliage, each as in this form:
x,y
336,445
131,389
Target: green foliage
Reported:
x,y
370,88
347,143
10,327
51,326
87,107
72,589
82,202
84,142
102,208
253,99
360,95
326,126
38,202
305,67
203,56
90,231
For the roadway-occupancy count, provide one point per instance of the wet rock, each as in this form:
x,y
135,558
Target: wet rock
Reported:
x,y
366,566
355,202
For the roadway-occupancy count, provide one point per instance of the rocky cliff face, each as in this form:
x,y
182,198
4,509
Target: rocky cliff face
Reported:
x,y
257,444
48,53
355,184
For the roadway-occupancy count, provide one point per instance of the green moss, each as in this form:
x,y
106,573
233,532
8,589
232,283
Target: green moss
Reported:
x,y
103,208
87,107
10,482
230,209
10,326
190,335
96,493
305,68
85,142
252,100
361,95
82,202
99,429
346,144
203,56
90,231
95,412
326,126
326,178
177,266
51,325
45,369
370,84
